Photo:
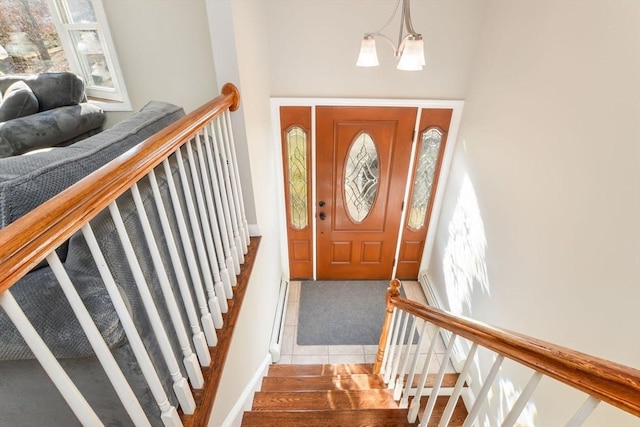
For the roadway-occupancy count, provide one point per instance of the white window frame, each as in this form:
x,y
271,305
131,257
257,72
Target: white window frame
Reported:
x,y
109,99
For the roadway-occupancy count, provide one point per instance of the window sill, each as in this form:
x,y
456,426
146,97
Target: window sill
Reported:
x,y
110,105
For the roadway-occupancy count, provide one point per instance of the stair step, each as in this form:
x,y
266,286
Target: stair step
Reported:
x,y
457,418
324,400
340,382
359,418
325,382
449,380
305,370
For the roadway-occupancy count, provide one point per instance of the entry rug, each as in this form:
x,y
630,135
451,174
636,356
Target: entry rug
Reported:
x,y
341,312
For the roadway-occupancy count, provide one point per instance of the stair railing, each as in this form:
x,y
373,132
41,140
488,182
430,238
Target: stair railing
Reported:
x,y
197,266
398,361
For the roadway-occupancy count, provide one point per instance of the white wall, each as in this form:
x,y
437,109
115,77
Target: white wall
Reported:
x,y
314,44
253,330
541,220
164,52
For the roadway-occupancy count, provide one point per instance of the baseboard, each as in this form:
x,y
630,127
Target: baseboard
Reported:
x,y
254,230
459,353
277,334
234,418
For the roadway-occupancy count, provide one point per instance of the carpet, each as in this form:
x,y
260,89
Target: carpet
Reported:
x,y
341,312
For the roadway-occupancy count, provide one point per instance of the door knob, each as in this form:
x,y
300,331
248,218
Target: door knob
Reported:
x,y
321,203
323,216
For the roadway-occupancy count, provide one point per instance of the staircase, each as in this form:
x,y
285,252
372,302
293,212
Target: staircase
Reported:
x,y
334,395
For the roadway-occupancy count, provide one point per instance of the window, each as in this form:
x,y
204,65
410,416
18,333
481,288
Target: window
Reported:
x,y
39,36
298,185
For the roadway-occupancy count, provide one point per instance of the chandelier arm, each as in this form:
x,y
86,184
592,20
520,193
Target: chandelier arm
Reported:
x,y
395,10
393,46
406,11
403,19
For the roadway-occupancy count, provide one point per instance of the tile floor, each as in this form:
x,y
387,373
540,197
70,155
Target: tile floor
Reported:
x,y
292,353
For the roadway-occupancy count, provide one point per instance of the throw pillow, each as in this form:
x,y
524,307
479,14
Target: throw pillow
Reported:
x,y
18,101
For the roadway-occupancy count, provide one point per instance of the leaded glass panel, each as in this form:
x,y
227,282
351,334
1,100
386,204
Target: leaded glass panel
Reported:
x,y
361,177
425,173
298,183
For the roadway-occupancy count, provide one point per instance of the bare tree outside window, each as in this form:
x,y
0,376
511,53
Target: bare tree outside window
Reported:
x,y
28,34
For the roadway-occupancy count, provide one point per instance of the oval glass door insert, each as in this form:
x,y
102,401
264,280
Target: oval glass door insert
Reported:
x,y
361,177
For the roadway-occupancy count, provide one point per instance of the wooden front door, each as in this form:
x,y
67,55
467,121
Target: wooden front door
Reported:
x,y
362,161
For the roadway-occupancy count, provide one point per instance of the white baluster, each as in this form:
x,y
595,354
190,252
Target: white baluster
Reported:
x,y
433,397
220,238
392,349
207,232
524,397
244,234
457,389
237,173
401,347
108,362
481,398
208,319
60,379
404,403
583,413
231,257
397,392
387,345
198,337
169,414
189,360
206,257
415,404
180,385
223,174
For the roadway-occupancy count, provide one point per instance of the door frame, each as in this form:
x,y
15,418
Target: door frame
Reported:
x,y
276,102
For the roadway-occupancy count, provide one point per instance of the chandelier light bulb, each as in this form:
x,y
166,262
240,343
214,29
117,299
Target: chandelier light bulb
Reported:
x,y
410,47
368,56
412,58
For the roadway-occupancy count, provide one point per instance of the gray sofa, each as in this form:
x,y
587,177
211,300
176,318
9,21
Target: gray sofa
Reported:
x,y
26,182
44,110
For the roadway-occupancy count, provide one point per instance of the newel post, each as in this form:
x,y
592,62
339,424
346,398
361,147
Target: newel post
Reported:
x,y
231,89
392,292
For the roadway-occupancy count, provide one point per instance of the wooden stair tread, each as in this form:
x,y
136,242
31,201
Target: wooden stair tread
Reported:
x,y
449,380
359,418
324,400
457,418
326,369
341,382
338,395
326,382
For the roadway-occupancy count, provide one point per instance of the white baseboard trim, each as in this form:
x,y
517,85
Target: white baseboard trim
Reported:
x,y
254,230
433,298
234,418
277,333
459,353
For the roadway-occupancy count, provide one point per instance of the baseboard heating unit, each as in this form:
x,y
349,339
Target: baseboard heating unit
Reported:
x,y
278,323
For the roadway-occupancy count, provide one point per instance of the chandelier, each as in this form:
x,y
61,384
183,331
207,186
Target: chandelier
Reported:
x,y
410,47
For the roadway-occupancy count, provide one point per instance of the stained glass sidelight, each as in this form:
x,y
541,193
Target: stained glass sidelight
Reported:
x,y
425,173
298,185
361,177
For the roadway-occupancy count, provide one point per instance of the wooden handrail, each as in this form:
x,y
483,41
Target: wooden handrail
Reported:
x,y
608,381
28,240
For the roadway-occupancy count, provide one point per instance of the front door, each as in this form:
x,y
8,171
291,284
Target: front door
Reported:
x,y
362,161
